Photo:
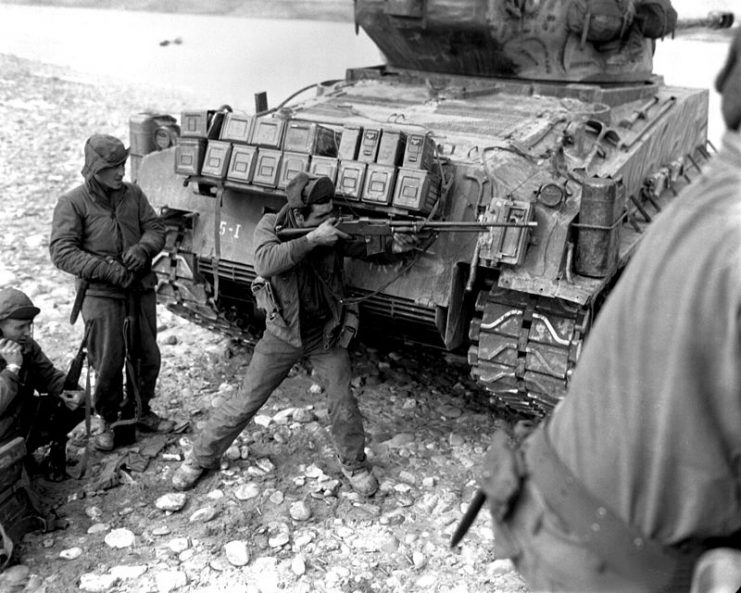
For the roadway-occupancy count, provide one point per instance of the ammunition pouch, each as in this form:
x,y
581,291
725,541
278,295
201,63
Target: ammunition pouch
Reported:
x,y
262,290
349,329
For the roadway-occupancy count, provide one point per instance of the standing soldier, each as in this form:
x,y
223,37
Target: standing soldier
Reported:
x,y
105,233
25,371
301,290
638,471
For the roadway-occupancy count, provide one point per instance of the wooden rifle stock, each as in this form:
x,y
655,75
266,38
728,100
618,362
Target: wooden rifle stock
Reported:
x,y
72,381
379,227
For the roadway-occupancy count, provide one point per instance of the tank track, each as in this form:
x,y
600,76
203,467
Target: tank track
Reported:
x,y
524,348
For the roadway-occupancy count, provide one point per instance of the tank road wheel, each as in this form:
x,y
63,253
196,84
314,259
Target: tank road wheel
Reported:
x,y
524,348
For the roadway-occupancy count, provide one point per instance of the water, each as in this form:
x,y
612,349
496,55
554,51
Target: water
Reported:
x,y
228,59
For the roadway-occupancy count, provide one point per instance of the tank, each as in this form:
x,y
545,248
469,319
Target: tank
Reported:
x,y
541,116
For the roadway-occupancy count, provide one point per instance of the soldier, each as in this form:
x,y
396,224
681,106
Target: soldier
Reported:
x,y
638,471
43,419
106,233
302,293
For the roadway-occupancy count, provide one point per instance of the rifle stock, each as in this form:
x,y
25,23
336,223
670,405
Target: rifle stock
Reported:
x,y
381,227
72,380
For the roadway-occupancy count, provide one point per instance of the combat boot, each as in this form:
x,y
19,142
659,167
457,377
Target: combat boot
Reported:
x,y
186,476
361,478
151,422
106,440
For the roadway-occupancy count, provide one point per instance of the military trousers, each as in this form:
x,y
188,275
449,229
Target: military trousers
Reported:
x,y
107,350
271,362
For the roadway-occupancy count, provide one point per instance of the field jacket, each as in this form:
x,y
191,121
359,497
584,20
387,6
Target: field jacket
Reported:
x,y
89,230
37,373
276,262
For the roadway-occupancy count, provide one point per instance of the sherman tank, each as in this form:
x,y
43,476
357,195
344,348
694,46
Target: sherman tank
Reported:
x,y
539,118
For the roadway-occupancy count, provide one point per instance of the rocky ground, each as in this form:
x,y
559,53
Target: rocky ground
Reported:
x,y
279,516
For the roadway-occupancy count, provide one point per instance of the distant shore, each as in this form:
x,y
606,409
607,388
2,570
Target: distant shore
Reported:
x,y
329,10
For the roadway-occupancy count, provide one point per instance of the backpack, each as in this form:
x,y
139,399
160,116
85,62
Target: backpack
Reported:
x,y
655,18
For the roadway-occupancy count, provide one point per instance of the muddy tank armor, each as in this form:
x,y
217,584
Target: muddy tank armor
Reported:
x,y
498,110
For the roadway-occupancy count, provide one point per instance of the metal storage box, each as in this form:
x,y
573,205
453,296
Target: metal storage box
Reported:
x,y
216,161
379,184
324,165
189,155
391,148
369,145
350,178
292,164
416,189
419,152
267,132
311,138
237,127
267,167
242,164
350,143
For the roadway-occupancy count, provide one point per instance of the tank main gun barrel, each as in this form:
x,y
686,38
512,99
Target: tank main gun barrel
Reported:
x,y
713,20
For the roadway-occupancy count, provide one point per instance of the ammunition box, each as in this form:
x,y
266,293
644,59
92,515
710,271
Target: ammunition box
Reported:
x,y
350,177
379,184
267,132
416,189
324,165
189,155
216,161
391,148
242,163
237,127
369,145
292,164
17,514
311,138
194,124
350,143
267,167
419,152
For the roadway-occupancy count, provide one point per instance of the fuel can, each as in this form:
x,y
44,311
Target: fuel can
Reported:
x,y
598,229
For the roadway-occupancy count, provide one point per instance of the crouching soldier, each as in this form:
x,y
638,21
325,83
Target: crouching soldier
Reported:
x,y
25,371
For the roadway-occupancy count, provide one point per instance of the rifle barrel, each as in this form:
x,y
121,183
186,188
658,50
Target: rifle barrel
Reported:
x,y
405,226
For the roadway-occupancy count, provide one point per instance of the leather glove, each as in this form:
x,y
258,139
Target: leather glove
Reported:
x,y
135,257
115,273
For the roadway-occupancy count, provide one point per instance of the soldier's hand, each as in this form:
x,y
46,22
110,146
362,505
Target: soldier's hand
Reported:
x,y
326,233
134,258
11,351
403,242
72,398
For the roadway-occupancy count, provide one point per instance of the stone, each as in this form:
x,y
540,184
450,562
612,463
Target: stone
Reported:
x,y
400,440
71,553
298,565
456,440
418,559
163,530
203,515
244,452
15,575
98,583
450,411
237,553
277,497
300,511
94,513
233,453
98,528
215,494
316,389
128,572
178,544
247,491
172,501
262,420
170,580
120,538
304,415
278,535
265,465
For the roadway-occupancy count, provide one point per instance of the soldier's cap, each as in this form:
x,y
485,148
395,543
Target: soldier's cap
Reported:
x,y
14,304
102,152
305,189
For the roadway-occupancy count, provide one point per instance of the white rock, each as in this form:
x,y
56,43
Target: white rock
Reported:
x,y
265,465
127,573
278,535
178,544
315,389
94,513
237,553
418,559
400,440
203,515
300,511
170,580
298,565
232,453
247,491
427,581
98,583
244,452
98,528
71,553
262,420
163,530
172,501
215,494
120,538
283,416
315,472
277,497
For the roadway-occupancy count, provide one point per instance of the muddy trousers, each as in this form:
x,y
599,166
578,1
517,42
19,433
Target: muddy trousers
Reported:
x,y
107,351
271,362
